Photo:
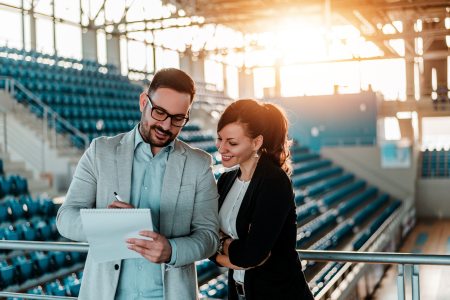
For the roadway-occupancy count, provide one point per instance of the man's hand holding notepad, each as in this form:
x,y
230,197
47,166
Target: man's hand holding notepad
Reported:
x,y
108,229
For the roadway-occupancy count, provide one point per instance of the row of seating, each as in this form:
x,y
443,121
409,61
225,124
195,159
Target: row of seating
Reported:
x,y
76,85
35,229
364,236
43,58
216,288
23,267
435,163
83,113
328,220
13,185
315,175
303,167
314,207
67,286
322,186
45,73
331,268
74,101
24,206
195,136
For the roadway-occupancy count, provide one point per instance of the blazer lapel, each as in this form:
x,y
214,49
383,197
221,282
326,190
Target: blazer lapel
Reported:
x,y
124,165
227,185
170,188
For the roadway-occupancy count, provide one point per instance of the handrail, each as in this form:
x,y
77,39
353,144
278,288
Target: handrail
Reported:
x,y
44,246
32,296
375,257
48,111
315,255
401,259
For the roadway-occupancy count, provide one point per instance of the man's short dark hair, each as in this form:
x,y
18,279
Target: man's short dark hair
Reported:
x,y
174,79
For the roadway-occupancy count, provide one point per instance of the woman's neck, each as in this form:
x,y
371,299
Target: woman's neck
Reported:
x,y
248,168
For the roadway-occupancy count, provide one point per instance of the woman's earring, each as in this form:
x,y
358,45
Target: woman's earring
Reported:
x,y
256,155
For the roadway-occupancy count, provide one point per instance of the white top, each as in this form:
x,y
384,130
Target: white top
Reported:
x,y
228,215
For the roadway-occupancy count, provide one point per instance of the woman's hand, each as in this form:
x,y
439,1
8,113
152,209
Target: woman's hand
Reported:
x,y
226,244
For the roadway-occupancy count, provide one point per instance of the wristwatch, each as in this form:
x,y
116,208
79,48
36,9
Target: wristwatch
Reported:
x,y
221,243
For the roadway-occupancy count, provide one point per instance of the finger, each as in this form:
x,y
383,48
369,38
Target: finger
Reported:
x,y
146,253
139,242
120,204
150,234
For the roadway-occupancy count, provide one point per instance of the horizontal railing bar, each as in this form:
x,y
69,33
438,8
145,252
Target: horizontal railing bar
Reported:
x,y
32,296
375,257
44,246
315,255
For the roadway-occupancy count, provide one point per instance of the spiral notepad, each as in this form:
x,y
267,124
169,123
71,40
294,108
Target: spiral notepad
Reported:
x,y
108,229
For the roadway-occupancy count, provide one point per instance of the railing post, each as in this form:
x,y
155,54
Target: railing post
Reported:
x,y
55,134
401,282
415,282
44,136
5,134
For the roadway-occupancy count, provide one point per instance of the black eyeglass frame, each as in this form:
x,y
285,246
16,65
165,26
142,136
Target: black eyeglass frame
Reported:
x,y
167,115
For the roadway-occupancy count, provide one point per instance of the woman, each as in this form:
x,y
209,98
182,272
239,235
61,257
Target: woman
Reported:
x,y
256,205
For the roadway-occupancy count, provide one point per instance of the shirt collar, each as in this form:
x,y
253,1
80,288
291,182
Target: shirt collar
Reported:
x,y
138,140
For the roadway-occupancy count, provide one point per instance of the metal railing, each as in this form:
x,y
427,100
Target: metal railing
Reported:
x,y
3,131
12,87
400,259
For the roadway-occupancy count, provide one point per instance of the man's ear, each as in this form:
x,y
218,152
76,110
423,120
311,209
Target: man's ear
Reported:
x,y
143,98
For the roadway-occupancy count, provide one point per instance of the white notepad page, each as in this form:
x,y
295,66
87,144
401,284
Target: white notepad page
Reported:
x,y
108,229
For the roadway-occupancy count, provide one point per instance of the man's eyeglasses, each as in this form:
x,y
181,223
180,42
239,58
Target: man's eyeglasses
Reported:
x,y
160,114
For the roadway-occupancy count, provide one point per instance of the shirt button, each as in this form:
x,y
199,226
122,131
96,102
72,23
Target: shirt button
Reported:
x,y
140,268
145,187
141,293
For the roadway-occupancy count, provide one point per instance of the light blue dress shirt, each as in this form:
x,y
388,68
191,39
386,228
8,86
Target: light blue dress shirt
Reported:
x,y
139,278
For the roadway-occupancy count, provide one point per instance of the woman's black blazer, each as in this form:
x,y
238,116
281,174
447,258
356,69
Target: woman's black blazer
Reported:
x,y
266,224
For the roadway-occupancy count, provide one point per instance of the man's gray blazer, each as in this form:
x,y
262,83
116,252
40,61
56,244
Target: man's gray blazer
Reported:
x,y
188,213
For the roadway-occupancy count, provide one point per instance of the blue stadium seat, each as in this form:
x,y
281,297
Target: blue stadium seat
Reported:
x,y
31,206
41,261
7,232
352,203
5,187
316,175
309,166
72,284
24,267
55,288
25,230
7,274
57,259
338,194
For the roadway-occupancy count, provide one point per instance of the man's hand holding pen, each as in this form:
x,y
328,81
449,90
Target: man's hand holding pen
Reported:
x,y
119,203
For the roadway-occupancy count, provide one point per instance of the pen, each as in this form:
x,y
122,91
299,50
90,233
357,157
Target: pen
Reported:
x,y
118,197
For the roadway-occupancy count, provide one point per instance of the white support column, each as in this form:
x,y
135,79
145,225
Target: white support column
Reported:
x,y
194,65
225,79
113,50
198,68
246,84
186,61
33,42
89,43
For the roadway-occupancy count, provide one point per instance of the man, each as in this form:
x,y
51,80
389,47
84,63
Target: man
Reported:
x,y
149,168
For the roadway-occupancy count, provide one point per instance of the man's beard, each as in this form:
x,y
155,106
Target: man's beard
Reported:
x,y
147,136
